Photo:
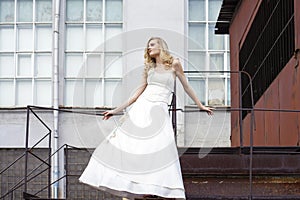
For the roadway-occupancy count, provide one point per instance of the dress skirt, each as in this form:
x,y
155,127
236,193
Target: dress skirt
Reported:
x,y
139,157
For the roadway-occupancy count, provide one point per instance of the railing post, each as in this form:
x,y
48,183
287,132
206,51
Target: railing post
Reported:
x,y
67,168
240,111
49,165
26,149
251,154
174,116
252,124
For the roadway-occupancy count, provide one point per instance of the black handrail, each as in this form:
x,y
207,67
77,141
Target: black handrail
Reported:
x,y
240,93
21,182
240,115
62,177
174,110
24,180
28,149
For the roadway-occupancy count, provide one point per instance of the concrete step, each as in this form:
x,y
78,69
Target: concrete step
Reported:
x,y
229,187
236,161
27,196
223,173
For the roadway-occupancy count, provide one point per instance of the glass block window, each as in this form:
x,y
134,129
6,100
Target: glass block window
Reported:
x,y
25,52
93,62
207,52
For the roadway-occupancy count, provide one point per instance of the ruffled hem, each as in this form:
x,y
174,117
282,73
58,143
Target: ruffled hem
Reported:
x,y
99,177
134,190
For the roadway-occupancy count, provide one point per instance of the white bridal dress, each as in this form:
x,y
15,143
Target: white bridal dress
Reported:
x,y
139,157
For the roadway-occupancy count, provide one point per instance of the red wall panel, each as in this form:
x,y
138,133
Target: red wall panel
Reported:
x,y
272,118
272,128
238,29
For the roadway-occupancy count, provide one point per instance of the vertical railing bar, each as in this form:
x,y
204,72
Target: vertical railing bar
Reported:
x,y
67,169
174,113
49,150
49,164
252,124
241,125
26,149
241,112
251,135
251,157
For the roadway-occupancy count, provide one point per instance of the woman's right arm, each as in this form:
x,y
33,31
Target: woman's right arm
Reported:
x,y
188,89
131,100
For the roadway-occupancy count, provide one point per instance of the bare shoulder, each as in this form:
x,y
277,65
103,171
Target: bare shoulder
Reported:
x,y
176,65
176,62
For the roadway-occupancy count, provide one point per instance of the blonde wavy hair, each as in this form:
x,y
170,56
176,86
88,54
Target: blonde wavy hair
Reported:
x,y
165,56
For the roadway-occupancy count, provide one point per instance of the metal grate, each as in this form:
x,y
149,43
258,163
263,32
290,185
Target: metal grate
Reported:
x,y
13,176
268,47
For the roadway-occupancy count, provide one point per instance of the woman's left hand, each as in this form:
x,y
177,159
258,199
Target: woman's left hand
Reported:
x,y
208,110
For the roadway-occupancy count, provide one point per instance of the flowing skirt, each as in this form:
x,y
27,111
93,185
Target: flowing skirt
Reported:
x,y
139,157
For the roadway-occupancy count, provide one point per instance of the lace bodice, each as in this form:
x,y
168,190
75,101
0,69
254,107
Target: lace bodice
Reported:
x,y
160,85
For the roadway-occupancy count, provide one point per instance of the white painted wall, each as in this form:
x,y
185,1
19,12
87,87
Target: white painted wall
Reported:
x,y
142,20
13,128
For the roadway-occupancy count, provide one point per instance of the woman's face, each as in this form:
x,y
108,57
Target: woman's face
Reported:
x,y
153,48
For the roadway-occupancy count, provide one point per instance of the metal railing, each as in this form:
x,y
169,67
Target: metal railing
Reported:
x,y
31,175
240,109
173,108
30,151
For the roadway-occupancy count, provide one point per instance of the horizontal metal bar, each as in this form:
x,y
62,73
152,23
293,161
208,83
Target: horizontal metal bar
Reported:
x,y
238,109
178,109
71,111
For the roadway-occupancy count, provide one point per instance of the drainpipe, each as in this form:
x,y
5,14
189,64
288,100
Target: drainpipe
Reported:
x,y
55,57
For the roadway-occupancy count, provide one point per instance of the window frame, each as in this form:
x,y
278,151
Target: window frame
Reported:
x,y
207,55
100,50
32,52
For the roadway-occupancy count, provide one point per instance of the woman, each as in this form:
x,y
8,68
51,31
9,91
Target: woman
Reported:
x,y
139,158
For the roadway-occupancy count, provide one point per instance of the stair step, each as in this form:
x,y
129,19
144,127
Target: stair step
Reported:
x,y
227,187
244,198
27,196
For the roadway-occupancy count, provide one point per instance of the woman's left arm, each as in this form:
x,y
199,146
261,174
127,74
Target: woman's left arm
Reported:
x,y
187,88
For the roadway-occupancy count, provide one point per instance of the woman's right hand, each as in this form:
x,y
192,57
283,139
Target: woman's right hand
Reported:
x,y
107,115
